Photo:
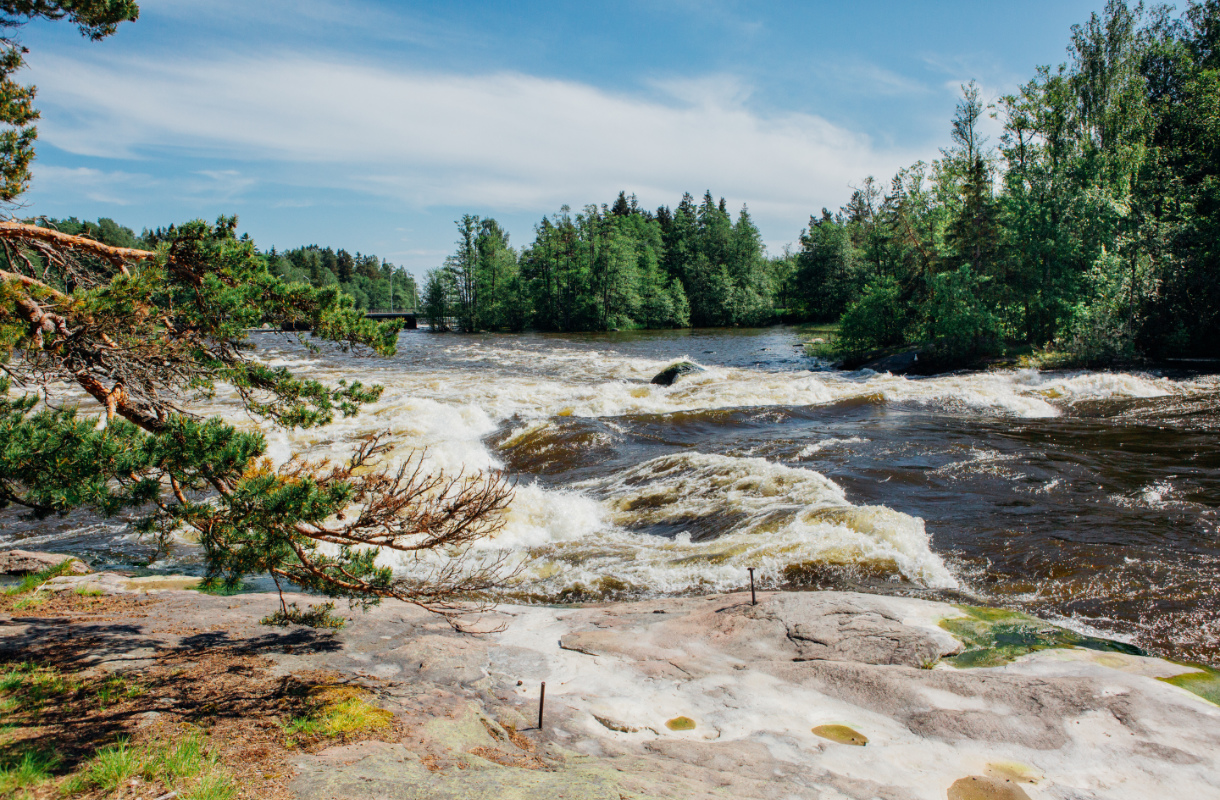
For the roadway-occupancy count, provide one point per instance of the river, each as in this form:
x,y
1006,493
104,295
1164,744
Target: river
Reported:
x,y
1087,498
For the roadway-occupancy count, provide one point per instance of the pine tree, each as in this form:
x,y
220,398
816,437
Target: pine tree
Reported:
x,y
145,334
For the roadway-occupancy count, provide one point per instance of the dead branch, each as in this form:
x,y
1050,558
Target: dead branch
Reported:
x,y
33,234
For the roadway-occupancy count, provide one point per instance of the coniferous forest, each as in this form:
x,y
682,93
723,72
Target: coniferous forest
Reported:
x,y
372,282
1088,227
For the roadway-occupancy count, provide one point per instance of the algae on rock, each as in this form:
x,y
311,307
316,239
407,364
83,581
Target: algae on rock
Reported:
x,y
996,636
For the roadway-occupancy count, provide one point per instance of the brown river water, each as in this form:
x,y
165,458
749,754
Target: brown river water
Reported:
x,y
1087,498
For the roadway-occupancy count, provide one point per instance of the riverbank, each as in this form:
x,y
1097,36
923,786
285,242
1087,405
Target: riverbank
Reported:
x,y
681,697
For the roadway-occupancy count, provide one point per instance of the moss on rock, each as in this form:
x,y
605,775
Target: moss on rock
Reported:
x,y
996,636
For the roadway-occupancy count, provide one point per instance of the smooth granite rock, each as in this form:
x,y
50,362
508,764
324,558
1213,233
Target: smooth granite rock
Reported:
x,y
771,696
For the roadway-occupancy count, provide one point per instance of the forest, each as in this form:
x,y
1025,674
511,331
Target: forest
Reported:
x,y
1086,231
1089,229
374,283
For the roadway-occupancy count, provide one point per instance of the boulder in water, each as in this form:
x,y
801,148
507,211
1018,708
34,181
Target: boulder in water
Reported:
x,y
667,376
896,364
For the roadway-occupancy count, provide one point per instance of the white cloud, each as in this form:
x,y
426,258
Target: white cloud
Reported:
x,y
101,186
504,141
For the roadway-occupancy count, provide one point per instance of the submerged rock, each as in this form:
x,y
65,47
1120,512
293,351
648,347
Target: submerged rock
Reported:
x,y
24,562
667,376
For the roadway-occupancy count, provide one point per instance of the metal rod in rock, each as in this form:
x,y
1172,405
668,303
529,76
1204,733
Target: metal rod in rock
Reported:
x,y
753,599
541,702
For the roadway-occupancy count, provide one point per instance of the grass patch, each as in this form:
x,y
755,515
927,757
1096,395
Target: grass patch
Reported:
x,y
28,686
34,580
27,770
337,710
116,689
996,636
183,764
1205,683
85,591
29,601
316,616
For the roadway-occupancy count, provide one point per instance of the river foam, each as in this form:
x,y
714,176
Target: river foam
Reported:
x,y
681,523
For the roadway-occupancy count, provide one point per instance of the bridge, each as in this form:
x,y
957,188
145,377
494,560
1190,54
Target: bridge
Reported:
x,y
410,318
410,322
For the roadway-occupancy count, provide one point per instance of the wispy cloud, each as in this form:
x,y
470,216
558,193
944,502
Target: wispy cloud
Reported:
x,y
116,187
871,79
502,140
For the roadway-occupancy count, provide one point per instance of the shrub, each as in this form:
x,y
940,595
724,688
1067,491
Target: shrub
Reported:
x,y
877,319
958,323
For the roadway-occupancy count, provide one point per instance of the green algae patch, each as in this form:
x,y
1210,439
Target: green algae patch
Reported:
x,y
995,636
978,787
681,724
841,734
1205,683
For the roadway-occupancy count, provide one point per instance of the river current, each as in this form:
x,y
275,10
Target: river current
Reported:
x,y
1088,498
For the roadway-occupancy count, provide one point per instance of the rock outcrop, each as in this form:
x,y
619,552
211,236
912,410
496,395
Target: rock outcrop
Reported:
x,y
818,695
897,364
25,562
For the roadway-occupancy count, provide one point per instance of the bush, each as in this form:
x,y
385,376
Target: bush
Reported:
x,y
877,319
958,323
1104,324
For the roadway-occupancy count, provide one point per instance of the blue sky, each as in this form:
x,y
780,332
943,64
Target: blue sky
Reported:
x,y
373,125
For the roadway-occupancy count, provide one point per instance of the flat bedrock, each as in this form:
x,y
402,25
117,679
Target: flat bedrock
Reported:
x,y
710,698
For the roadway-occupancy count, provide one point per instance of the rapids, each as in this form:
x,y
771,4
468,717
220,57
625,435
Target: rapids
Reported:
x,y
1087,497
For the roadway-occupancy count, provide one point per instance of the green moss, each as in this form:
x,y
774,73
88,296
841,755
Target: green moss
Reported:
x,y
336,710
996,636
1205,683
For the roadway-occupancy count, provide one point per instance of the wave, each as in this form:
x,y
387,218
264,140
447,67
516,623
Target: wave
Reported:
x,y
678,523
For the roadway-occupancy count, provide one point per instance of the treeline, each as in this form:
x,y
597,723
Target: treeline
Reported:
x,y
374,283
1092,228
607,267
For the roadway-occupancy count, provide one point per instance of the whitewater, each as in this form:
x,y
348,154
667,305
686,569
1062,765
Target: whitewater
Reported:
x,y
592,537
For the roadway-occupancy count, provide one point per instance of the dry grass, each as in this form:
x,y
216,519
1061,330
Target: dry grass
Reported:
x,y
214,724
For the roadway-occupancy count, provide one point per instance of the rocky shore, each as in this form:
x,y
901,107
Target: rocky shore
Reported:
x,y
804,695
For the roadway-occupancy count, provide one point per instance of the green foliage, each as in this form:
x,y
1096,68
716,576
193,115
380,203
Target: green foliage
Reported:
x,y
959,325
1105,322
315,616
877,319
605,268
374,284
1092,225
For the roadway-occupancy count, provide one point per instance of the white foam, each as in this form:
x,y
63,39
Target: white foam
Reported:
x,y
827,444
779,516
